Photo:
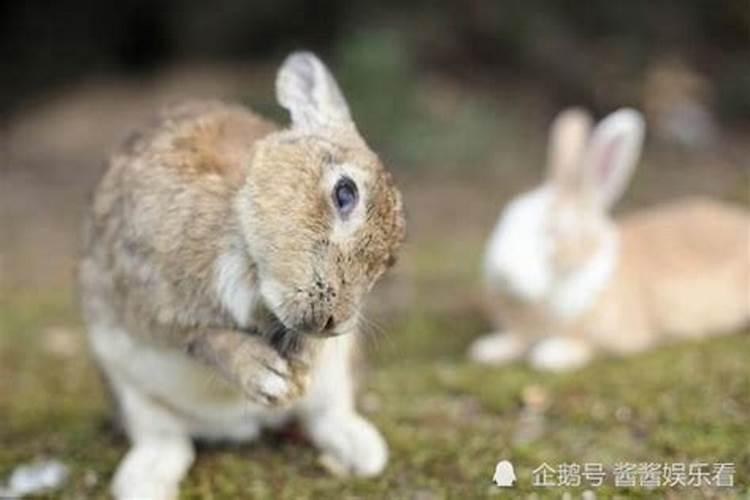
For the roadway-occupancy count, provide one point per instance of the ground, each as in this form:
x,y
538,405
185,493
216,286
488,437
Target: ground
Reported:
x,y
448,422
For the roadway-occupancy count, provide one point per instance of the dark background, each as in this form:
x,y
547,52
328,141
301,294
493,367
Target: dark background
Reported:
x,y
594,53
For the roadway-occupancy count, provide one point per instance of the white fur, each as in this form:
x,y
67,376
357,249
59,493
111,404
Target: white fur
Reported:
x,y
273,294
577,292
349,444
518,256
160,455
305,87
152,469
348,326
232,288
202,405
518,253
558,354
190,387
497,348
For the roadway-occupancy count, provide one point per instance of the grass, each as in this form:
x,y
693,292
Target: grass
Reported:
x,y
447,422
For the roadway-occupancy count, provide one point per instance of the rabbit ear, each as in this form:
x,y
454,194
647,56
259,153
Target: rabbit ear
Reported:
x,y
612,154
306,88
568,135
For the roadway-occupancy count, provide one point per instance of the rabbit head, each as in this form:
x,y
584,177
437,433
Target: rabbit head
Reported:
x,y
320,215
561,232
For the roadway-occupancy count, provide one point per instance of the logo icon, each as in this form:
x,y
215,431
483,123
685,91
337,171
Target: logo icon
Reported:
x,y
504,475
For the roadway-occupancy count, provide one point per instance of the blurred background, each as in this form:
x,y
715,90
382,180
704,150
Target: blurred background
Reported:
x,y
456,97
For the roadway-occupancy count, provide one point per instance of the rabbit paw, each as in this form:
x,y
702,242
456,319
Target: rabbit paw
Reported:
x,y
278,382
153,469
497,348
263,374
559,354
349,444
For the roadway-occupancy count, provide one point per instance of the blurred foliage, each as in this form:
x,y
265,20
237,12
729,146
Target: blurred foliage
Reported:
x,y
395,106
593,53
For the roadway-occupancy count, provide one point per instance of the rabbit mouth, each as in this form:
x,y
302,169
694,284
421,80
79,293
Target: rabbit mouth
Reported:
x,y
288,339
312,328
298,311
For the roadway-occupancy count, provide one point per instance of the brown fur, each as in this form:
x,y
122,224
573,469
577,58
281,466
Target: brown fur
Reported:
x,y
684,271
164,213
339,274
154,193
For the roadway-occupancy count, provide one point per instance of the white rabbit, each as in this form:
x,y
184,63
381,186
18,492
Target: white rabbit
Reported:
x,y
224,269
565,280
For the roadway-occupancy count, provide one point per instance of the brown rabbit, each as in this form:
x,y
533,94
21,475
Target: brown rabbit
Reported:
x,y
219,244
566,280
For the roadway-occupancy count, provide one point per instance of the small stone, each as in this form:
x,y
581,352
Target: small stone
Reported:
x,y
329,463
535,397
90,478
37,477
62,342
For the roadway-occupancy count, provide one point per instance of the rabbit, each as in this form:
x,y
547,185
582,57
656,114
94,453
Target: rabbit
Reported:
x,y
567,281
225,263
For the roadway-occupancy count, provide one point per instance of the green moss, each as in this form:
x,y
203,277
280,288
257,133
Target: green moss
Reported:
x,y
447,422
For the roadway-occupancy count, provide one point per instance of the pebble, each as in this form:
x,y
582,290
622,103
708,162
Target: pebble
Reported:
x,y
34,478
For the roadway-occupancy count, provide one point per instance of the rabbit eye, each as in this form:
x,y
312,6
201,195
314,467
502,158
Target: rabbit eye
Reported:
x,y
345,196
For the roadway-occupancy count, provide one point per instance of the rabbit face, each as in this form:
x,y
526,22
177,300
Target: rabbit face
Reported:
x,y
542,237
577,232
325,222
321,216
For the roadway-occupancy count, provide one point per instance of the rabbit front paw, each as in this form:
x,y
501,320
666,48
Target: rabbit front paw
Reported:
x,y
276,381
263,374
497,348
153,469
349,444
559,354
